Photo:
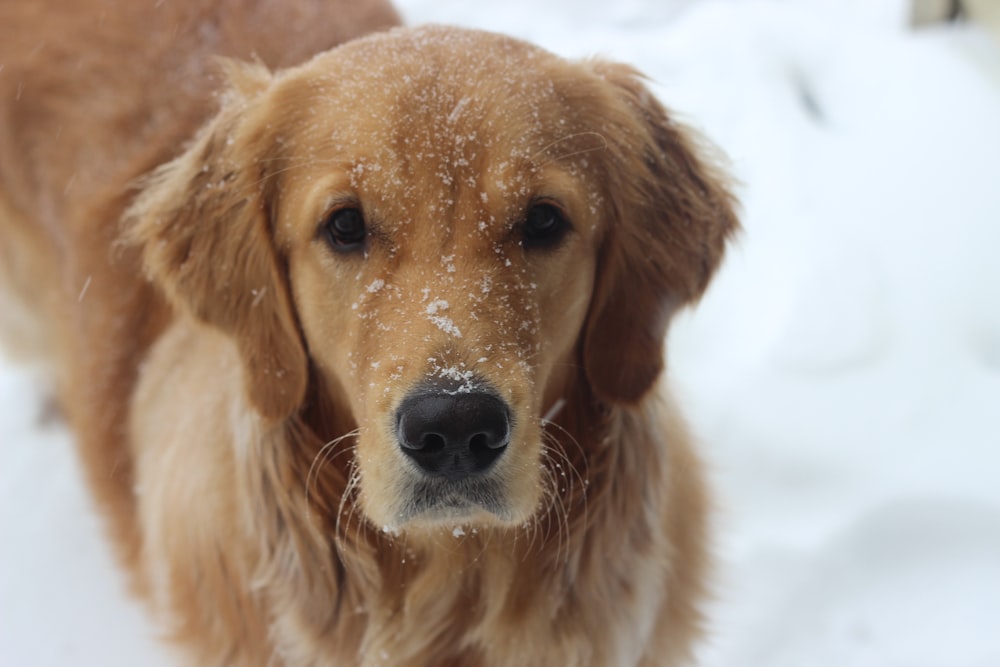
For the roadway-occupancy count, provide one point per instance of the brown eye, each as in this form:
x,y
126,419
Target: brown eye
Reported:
x,y
544,226
345,230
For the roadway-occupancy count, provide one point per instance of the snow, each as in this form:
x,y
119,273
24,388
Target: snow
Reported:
x,y
843,372
442,322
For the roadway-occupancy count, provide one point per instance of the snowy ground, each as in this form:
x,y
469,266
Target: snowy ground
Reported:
x,y
843,372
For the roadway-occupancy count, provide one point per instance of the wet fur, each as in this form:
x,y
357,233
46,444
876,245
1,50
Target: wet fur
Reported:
x,y
232,409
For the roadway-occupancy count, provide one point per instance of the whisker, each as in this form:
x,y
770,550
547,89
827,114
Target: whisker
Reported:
x,y
603,146
557,457
585,475
321,459
352,482
554,503
567,498
553,411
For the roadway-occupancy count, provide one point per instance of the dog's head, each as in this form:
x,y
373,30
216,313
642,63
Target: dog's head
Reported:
x,y
449,231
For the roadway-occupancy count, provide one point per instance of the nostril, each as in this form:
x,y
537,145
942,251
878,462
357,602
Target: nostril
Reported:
x,y
423,442
485,448
432,442
487,442
478,442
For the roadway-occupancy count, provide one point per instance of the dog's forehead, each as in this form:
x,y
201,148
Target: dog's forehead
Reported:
x,y
437,89
431,65
444,115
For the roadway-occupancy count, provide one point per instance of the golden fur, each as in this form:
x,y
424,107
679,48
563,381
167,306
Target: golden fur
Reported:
x,y
232,379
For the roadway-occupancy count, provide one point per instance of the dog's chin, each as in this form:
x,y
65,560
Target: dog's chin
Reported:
x,y
435,502
430,504
450,513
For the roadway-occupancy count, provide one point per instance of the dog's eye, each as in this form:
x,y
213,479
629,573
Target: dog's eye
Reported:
x,y
544,226
345,229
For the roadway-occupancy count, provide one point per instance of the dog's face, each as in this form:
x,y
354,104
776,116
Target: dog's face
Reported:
x,y
453,229
442,256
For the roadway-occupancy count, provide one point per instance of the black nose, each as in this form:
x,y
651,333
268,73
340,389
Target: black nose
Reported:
x,y
453,435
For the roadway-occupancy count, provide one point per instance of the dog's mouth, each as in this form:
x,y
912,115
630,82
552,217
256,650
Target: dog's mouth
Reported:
x,y
448,501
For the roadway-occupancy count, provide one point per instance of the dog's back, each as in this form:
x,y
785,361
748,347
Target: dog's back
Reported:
x,y
94,94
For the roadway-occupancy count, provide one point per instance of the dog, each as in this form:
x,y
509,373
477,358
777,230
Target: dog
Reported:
x,y
360,331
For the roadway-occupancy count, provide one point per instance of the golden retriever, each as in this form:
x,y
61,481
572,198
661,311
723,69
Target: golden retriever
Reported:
x,y
364,370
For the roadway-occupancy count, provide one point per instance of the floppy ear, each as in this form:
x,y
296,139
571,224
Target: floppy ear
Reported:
x,y
204,222
671,215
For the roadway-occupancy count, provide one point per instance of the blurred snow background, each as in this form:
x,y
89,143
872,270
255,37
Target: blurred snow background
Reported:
x,y
843,372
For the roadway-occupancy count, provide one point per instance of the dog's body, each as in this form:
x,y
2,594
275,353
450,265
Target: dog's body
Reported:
x,y
388,395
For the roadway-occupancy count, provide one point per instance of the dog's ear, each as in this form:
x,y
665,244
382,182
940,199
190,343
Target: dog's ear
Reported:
x,y
204,222
671,213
